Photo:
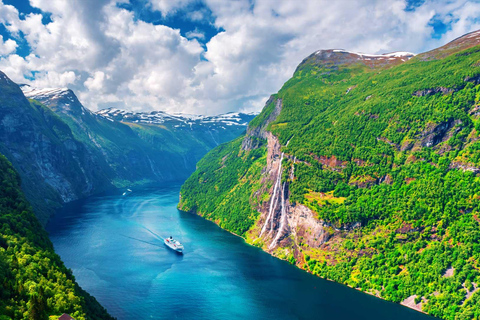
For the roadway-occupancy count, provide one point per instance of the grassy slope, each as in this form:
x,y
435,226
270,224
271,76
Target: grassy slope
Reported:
x,y
418,208
34,281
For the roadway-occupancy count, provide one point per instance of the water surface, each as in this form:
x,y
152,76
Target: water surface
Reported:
x,y
113,245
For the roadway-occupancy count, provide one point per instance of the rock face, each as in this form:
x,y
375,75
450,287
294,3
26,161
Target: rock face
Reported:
x,y
258,133
64,152
55,167
439,133
282,224
432,91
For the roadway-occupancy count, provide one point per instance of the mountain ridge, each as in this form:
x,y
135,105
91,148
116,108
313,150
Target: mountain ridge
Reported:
x,y
176,120
63,151
364,174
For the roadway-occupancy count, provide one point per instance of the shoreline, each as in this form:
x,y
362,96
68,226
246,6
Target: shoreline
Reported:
x,y
307,271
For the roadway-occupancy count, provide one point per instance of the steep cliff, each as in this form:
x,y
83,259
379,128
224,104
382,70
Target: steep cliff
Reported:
x,y
63,151
146,147
54,166
363,169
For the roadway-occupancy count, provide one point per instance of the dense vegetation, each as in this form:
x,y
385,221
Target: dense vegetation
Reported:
x,y
34,283
226,200
65,152
392,149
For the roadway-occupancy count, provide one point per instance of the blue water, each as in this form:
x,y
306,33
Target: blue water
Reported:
x,y
113,245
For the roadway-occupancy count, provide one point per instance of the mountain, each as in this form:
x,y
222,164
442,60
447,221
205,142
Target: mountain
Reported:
x,y
54,166
179,120
363,169
63,151
141,147
35,282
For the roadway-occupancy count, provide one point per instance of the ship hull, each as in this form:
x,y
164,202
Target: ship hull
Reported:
x,y
174,248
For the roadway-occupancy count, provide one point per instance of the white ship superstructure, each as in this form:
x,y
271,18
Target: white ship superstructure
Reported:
x,y
173,244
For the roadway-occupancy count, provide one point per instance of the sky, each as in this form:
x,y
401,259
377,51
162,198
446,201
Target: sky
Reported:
x,y
205,56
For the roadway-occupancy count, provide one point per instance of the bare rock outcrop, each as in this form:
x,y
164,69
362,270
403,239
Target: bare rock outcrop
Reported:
x,y
438,133
432,91
283,224
255,135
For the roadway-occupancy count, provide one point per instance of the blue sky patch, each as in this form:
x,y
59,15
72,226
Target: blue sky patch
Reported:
x,y
413,4
194,19
440,27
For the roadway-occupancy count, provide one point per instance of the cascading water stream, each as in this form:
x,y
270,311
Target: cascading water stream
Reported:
x,y
278,188
272,201
283,219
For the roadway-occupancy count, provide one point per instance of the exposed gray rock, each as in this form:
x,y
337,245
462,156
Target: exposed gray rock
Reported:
x,y
474,79
255,136
440,132
432,91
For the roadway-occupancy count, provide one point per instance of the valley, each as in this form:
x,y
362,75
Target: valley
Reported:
x,y
135,276
64,152
354,193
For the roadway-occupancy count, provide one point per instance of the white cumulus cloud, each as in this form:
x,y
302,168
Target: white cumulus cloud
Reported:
x,y
110,57
7,47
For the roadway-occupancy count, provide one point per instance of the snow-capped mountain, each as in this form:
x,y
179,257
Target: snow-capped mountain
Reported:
x,y
384,56
64,100
178,120
58,99
60,146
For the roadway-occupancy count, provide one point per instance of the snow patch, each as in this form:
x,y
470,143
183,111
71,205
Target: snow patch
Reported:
x,y
366,56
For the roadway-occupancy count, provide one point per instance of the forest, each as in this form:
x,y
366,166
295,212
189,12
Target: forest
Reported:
x,y
388,156
35,284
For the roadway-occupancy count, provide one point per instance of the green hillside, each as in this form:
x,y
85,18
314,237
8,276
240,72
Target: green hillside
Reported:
x,y
386,156
65,152
34,282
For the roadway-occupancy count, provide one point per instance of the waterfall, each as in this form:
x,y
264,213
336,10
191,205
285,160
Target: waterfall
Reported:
x,y
283,219
272,201
292,174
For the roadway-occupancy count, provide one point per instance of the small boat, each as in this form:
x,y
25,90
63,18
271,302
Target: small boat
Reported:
x,y
127,192
173,244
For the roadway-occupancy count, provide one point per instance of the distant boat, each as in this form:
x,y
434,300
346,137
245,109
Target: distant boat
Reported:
x,y
173,244
126,192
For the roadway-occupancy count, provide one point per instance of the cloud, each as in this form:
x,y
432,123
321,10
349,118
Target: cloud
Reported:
x,y
195,34
7,47
169,6
198,15
110,57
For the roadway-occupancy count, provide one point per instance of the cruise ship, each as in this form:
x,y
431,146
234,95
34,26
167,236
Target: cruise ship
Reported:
x,y
173,244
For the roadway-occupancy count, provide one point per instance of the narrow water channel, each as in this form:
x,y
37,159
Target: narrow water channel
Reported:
x,y
113,245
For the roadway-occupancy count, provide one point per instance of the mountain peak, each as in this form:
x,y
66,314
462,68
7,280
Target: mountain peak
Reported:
x,y
333,58
177,120
31,92
332,53
459,44
58,99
